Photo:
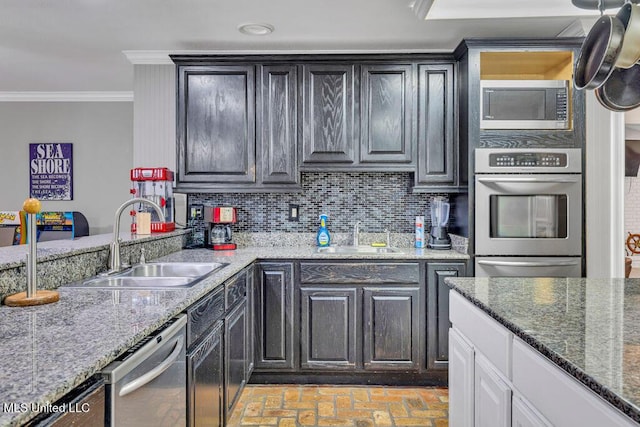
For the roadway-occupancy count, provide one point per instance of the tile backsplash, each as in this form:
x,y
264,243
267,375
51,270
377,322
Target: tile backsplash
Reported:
x,y
379,200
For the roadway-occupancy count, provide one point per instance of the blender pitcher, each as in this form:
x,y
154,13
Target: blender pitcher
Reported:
x,y
438,237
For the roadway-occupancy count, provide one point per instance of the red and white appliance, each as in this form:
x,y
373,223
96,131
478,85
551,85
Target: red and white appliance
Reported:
x,y
219,231
156,185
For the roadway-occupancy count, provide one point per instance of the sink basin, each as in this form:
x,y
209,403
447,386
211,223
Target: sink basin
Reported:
x,y
356,250
171,269
119,282
157,275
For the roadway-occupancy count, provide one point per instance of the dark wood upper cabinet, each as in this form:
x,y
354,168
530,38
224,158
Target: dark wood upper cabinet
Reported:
x,y
277,134
253,123
329,112
386,116
437,151
216,124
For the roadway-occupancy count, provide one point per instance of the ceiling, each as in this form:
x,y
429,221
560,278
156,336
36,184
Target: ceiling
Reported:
x,y
79,45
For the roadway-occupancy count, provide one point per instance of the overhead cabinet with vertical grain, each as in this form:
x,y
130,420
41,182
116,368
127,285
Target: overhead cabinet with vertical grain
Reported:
x,y
236,126
253,123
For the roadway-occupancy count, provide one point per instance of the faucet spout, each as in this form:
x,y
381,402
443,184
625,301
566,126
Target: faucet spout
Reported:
x,y
114,253
356,233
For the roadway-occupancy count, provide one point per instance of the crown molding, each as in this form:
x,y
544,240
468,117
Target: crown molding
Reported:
x,y
85,96
158,57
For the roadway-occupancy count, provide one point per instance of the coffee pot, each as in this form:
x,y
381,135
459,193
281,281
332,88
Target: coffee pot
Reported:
x,y
220,234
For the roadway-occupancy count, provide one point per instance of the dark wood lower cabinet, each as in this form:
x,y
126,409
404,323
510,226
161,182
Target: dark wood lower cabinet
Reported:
x,y
438,311
391,321
235,346
329,330
274,316
205,366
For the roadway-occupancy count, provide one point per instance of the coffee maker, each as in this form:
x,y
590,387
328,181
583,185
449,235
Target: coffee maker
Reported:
x,y
219,230
438,237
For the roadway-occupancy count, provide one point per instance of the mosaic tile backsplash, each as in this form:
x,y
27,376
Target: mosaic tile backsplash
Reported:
x,y
378,200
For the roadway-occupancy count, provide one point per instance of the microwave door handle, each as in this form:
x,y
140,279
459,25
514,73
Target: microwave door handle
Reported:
x,y
528,180
149,376
527,263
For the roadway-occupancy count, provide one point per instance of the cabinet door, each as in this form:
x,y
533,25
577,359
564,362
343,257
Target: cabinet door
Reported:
x,y
277,135
235,355
385,120
328,329
461,378
438,311
204,380
274,317
250,332
216,124
525,416
492,406
436,131
391,328
328,133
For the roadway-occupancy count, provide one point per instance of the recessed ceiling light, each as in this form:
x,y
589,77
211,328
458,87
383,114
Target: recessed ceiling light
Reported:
x,y
256,29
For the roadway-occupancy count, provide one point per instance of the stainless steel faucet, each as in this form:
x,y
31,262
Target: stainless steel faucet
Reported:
x,y
356,234
114,255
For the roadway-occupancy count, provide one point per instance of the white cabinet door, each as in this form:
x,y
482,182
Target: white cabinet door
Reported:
x,y
524,415
492,405
460,381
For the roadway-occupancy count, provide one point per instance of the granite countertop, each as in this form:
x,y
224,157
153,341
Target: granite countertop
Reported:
x,y
49,350
588,327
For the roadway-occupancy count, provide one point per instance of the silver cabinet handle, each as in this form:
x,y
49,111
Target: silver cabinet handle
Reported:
x,y
155,372
528,180
527,263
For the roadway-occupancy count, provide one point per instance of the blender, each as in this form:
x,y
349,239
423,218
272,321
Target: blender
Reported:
x,y
438,237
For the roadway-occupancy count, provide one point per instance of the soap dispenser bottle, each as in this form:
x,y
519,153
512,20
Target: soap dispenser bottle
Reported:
x,y
323,238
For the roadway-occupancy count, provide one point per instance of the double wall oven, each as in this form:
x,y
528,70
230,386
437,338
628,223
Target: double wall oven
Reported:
x,y
528,212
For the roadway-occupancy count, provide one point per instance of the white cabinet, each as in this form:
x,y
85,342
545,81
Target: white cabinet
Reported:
x,y
498,380
492,407
523,415
461,378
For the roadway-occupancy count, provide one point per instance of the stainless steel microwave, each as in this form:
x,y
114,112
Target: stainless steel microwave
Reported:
x,y
524,104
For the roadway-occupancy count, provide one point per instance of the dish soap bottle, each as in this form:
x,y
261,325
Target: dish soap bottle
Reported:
x,y
323,238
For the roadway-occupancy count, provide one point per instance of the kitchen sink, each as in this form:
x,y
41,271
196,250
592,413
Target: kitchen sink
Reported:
x,y
356,250
120,282
160,275
171,269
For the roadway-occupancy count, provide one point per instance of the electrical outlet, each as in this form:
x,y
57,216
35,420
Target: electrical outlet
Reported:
x,y
294,212
196,212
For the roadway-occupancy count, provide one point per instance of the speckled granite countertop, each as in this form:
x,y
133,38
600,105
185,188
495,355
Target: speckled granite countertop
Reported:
x,y
46,351
588,327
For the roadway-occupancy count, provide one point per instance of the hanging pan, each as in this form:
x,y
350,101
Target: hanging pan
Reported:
x,y
599,53
621,91
629,15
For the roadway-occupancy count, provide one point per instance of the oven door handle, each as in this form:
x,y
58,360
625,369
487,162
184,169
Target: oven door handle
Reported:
x,y
527,263
149,376
543,179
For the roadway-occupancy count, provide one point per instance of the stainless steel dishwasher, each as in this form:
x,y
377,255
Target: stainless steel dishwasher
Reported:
x,y
146,386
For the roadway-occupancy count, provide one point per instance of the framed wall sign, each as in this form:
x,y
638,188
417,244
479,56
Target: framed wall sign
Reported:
x,y
51,171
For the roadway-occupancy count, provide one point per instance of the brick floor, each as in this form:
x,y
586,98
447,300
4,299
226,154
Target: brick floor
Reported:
x,y
363,406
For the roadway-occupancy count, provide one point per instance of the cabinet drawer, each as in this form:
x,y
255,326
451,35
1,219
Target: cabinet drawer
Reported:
x,y
473,322
361,272
235,290
204,314
558,396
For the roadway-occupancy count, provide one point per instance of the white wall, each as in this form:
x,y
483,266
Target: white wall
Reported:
x,y
102,137
154,116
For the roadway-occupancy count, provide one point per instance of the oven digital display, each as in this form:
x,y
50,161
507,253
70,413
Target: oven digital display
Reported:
x,y
528,160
